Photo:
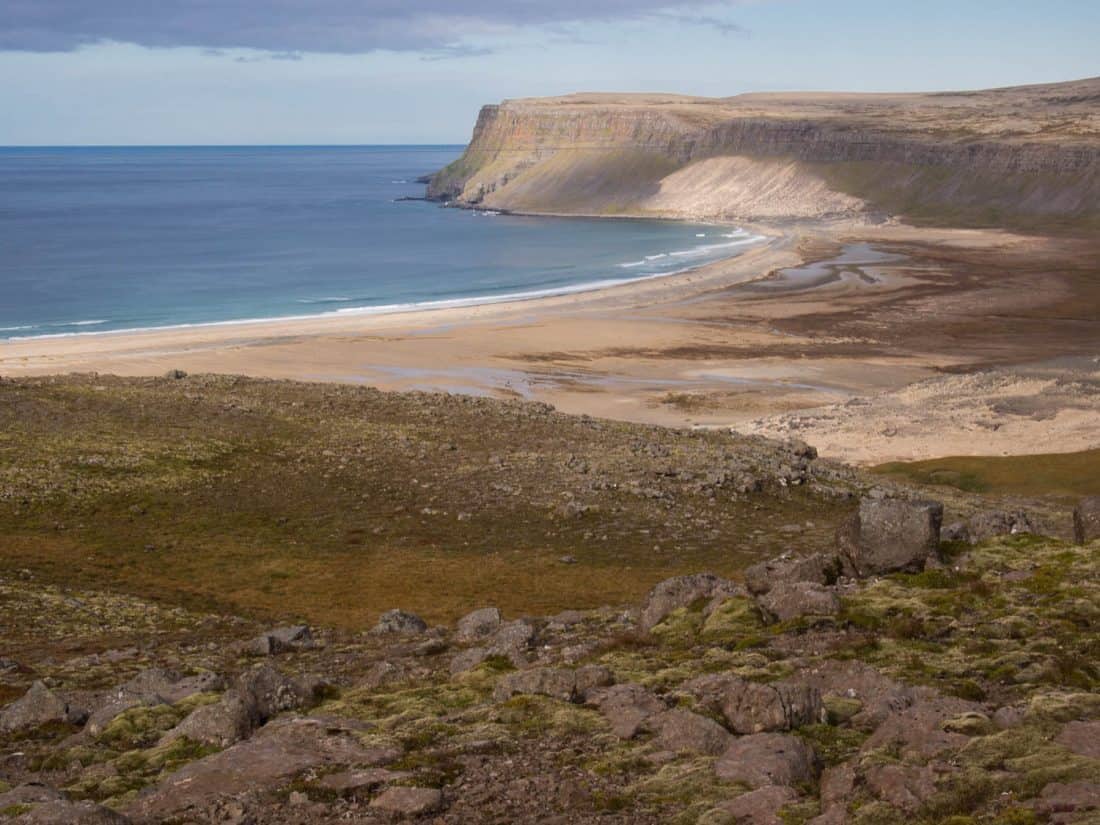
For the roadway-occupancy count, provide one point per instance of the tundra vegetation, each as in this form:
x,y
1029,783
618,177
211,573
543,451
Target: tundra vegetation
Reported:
x,y
233,600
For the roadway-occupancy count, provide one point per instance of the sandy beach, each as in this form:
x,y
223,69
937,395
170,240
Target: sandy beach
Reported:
x,y
728,344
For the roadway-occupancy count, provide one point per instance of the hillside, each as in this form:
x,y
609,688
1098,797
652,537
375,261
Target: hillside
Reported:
x,y
206,596
1021,157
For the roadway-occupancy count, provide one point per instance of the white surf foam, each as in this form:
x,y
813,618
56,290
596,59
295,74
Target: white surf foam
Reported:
x,y
415,306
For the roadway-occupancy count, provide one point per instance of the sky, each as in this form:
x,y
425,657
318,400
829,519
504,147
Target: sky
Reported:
x,y
120,72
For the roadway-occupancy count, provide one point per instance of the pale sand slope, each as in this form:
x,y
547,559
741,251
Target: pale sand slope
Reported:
x,y
735,187
988,413
694,349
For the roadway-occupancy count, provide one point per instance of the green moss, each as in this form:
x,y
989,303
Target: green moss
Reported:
x,y
875,813
735,622
433,769
970,724
684,790
960,795
1063,706
622,758
934,579
1016,816
1022,761
138,768
12,811
681,628
841,708
833,744
186,705
537,716
391,710
140,726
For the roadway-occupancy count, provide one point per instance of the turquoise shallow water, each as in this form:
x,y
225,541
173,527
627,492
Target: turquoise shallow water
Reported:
x,y
99,239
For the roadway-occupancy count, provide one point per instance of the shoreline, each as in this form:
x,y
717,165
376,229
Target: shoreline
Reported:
x,y
408,308
852,365
361,319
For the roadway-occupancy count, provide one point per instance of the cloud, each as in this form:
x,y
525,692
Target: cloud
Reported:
x,y
707,21
439,28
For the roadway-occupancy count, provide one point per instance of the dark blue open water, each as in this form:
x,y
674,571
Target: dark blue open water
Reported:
x,y
97,239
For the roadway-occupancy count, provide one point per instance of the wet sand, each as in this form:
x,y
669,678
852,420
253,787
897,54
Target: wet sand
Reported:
x,y
818,318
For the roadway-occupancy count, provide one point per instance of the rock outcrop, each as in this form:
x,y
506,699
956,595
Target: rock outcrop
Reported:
x,y
1086,520
766,156
886,535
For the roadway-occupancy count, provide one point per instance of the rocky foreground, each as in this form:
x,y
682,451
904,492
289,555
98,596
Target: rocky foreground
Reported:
x,y
898,677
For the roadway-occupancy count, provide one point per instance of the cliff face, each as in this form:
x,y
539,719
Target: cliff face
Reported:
x,y
1010,156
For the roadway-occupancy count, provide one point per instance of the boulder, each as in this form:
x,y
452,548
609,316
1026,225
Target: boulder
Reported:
x,y
906,787
817,568
399,622
626,707
557,683
512,640
792,600
275,755
105,714
956,531
281,640
755,707
681,730
1086,520
887,535
993,523
878,696
356,783
432,646
382,674
71,813
156,685
478,625
759,807
219,725
153,686
838,786
408,802
468,659
919,731
1082,738
592,678
1009,716
37,707
1072,798
268,692
517,635
833,816
682,591
768,759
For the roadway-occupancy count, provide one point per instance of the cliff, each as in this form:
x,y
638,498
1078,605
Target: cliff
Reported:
x,y
1017,156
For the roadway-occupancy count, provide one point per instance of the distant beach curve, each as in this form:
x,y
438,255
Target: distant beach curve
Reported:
x,y
100,240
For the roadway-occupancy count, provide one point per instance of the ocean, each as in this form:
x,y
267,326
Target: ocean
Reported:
x,y
101,239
